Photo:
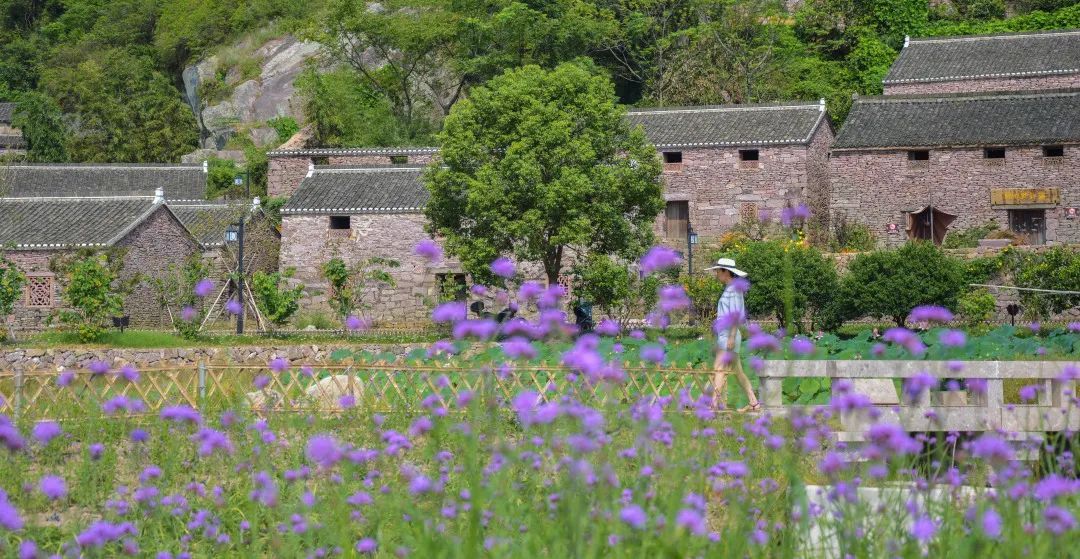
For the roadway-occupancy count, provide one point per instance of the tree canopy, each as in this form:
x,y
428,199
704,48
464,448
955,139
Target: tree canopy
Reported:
x,y
537,164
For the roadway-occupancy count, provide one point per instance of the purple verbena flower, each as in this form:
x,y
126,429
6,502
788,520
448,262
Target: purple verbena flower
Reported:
x,y
354,323
802,346
53,487
324,450
65,378
46,431
204,287
503,267
366,546
233,307
449,312
279,364
188,313
429,250
659,258
181,414
930,313
634,516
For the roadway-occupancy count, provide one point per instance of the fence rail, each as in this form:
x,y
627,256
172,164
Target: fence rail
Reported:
x,y
378,386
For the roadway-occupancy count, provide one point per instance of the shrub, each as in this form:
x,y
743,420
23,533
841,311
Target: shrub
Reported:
x,y
11,286
285,126
976,308
276,302
788,280
221,178
704,292
91,293
970,237
1056,269
852,237
350,288
612,287
889,283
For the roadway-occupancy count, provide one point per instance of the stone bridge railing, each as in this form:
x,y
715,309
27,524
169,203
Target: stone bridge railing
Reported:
x,y
1052,410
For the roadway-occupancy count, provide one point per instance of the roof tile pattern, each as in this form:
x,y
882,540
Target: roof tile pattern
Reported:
x,y
180,182
360,190
57,223
960,58
729,125
962,120
207,222
6,111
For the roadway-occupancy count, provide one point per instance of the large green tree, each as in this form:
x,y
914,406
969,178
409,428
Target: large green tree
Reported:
x,y
539,163
41,123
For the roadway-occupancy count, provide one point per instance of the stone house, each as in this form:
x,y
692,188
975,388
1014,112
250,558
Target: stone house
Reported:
x,y
726,165
918,166
156,213
289,167
1007,62
356,213
11,138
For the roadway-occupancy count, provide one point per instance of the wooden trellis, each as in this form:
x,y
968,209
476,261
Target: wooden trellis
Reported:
x,y
377,386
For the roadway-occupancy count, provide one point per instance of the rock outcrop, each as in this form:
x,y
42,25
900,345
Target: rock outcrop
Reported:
x,y
252,101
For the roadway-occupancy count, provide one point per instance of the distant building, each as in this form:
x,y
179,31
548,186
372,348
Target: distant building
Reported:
x,y
157,213
11,138
1008,62
918,166
356,213
726,165
288,167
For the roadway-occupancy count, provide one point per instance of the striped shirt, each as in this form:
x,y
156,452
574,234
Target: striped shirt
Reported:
x,y
730,302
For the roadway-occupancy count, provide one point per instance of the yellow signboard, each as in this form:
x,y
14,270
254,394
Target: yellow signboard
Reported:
x,y
1025,196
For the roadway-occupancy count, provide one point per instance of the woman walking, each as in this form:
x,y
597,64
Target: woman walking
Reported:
x,y
730,315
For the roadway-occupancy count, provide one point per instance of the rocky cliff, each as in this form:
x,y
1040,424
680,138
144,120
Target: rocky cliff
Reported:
x,y
238,90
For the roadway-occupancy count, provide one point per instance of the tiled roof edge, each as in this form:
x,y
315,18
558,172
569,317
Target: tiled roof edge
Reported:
x,y
292,211
1040,73
71,198
413,150
955,146
992,36
786,105
156,166
978,95
365,168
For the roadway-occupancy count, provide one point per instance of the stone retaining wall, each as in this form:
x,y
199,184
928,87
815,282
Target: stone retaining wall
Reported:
x,y
26,359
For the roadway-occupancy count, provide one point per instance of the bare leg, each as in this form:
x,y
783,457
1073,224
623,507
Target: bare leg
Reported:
x,y
744,381
720,380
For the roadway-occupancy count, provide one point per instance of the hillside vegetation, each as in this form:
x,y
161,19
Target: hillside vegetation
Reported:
x,y
100,80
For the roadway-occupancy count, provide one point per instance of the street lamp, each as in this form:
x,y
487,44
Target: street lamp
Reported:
x,y
691,240
235,233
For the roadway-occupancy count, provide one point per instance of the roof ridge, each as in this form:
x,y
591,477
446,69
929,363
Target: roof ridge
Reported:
x,y
976,95
722,108
994,36
365,168
389,150
105,165
72,198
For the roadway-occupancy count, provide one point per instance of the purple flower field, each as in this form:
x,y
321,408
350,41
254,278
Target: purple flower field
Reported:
x,y
487,474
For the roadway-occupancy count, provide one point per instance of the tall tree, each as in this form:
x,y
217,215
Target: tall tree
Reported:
x,y
540,163
39,119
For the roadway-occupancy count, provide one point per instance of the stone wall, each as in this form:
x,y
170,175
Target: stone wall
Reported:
x,y
981,85
53,359
876,188
285,173
151,248
722,190
307,243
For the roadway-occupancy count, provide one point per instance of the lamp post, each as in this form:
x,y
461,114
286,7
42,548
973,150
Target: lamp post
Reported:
x,y
235,232
691,240
243,180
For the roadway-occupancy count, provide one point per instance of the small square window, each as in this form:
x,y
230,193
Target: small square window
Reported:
x,y
994,153
399,159
1053,151
340,222
918,155
672,157
748,154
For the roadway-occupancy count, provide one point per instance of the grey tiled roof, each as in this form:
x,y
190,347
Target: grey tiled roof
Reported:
x,y
12,141
1011,55
207,222
356,190
730,125
55,223
180,182
6,110
988,119
316,152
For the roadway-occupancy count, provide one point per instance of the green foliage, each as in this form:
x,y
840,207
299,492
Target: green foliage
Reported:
x,y
970,237
127,110
175,290
221,179
889,283
606,283
788,280
344,111
704,291
272,207
852,236
11,287
285,126
39,119
537,162
975,308
351,287
1056,269
277,302
91,292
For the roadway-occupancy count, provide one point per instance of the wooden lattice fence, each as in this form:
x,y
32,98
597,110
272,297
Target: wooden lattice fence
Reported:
x,y
378,386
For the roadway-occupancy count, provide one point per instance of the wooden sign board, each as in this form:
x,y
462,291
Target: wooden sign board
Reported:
x,y
1025,196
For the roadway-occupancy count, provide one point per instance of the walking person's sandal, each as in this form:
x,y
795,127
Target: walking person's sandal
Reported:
x,y
752,408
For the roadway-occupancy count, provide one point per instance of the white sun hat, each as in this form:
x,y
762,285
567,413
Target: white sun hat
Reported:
x,y
729,265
